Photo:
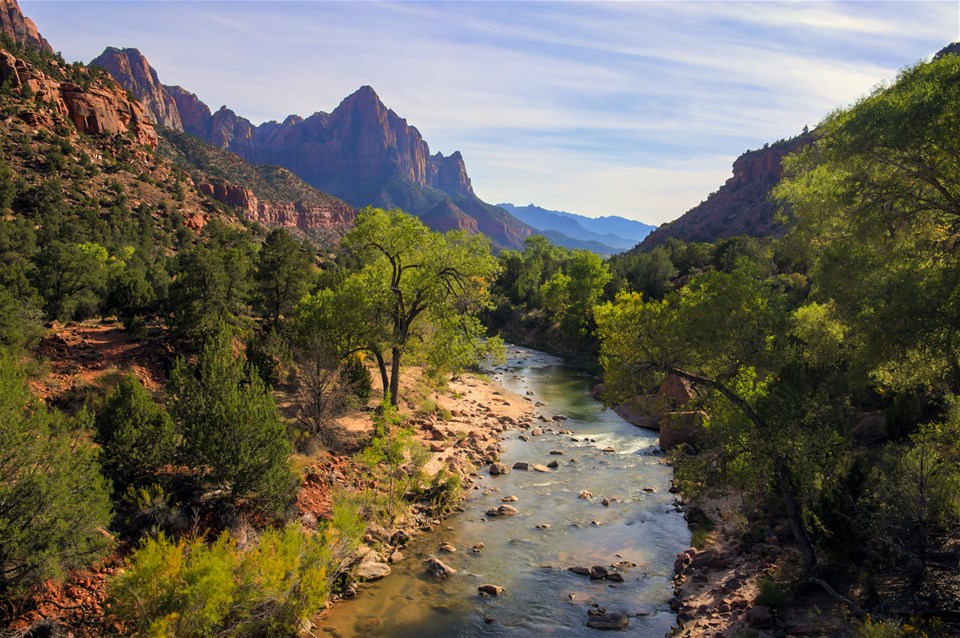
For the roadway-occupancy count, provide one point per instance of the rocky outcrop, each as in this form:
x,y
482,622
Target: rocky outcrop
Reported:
x,y
679,428
100,111
195,116
741,206
95,110
135,74
362,152
287,214
20,28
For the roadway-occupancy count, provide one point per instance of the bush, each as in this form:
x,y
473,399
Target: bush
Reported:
x,y
772,594
357,377
53,499
137,436
190,588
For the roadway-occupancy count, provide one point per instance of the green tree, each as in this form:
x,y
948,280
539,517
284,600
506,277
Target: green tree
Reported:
x,y
773,415
282,277
72,278
877,202
53,499
420,275
211,285
137,436
233,433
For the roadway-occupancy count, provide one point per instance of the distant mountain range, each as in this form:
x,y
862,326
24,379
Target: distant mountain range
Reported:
x,y
361,152
604,235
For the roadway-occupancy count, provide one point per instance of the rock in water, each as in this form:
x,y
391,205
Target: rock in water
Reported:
x,y
611,621
439,569
498,468
490,590
372,570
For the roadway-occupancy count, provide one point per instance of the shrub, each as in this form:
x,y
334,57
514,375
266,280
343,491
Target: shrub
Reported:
x,y
772,594
357,377
53,499
191,588
137,436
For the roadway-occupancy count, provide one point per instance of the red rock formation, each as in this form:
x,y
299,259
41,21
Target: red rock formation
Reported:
x,y
195,116
362,152
135,74
97,110
741,206
19,27
100,111
287,214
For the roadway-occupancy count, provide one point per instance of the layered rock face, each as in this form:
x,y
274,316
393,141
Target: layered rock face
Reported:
x,y
139,78
289,214
741,206
362,152
95,110
19,27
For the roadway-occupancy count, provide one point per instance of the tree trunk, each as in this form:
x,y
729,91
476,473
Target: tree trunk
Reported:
x,y
394,376
382,365
795,518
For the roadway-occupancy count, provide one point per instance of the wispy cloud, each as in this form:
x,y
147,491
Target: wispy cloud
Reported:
x,y
634,108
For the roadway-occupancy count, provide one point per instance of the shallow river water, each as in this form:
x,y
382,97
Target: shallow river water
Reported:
x,y
541,597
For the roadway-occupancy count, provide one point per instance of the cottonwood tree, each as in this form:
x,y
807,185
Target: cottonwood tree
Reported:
x,y
732,336
417,279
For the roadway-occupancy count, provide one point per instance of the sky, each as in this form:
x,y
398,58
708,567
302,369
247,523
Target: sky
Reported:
x,y
622,108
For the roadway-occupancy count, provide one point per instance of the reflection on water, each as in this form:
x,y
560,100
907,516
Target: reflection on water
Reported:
x,y
541,598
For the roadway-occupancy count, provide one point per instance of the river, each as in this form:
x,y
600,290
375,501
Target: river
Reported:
x,y
541,597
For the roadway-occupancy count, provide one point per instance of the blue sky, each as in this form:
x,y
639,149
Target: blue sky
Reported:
x,y
629,108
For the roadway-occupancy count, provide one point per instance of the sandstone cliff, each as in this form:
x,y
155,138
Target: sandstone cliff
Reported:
x,y
741,206
130,68
95,109
20,28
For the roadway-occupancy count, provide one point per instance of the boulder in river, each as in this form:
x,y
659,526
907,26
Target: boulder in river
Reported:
x,y
498,468
372,570
521,465
584,494
438,569
490,590
503,510
610,621
539,468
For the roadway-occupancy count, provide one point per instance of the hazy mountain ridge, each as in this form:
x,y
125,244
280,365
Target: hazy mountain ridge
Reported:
x,y
362,151
608,235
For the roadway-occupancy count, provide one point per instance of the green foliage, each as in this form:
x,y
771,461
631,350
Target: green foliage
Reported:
x,y
232,431
192,588
137,437
211,285
72,277
282,276
772,594
420,283
357,377
20,322
397,458
53,499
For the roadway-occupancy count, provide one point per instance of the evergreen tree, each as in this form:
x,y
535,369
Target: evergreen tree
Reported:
x,y
53,499
233,433
137,436
282,276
